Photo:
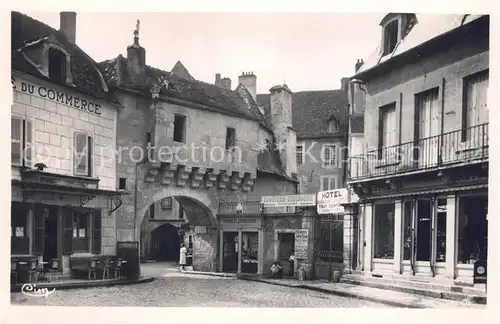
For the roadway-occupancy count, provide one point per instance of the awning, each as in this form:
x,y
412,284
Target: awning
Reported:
x,y
28,188
425,192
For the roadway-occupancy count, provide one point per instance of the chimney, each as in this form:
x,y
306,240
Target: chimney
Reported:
x,y
358,65
68,25
249,80
281,120
226,83
136,54
223,83
344,84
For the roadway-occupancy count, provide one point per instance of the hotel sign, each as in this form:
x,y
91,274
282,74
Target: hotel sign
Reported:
x,y
56,96
330,201
289,201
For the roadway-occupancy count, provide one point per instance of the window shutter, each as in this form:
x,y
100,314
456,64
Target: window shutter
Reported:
x,y
89,156
16,127
67,231
28,137
80,147
38,230
96,234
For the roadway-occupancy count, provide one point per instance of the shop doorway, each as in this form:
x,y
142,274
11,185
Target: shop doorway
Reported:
x,y
230,252
286,249
424,234
50,242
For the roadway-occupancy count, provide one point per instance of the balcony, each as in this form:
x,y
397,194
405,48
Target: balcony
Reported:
x,y
249,208
455,148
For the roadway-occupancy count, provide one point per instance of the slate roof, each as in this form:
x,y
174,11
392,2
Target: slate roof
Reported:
x,y
223,100
311,111
31,32
428,27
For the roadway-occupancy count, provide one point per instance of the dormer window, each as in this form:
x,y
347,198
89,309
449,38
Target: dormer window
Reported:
x,y
391,36
332,125
57,66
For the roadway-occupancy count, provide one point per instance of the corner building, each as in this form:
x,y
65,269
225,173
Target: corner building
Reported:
x,y
63,123
422,168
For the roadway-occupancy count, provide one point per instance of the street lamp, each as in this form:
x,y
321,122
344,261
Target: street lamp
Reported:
x,y
239,209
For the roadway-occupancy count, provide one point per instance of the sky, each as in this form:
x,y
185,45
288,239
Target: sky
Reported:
x,y
307,51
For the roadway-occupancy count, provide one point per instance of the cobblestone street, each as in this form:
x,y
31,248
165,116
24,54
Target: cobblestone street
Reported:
x,y
174,289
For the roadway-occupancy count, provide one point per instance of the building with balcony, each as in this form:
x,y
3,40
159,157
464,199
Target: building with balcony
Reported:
x,y
419,149
63,124
186,146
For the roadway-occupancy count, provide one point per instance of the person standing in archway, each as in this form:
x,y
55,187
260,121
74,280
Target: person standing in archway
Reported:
x,y
182,257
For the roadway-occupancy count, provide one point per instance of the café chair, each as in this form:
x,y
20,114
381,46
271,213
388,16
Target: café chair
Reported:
x,y
13,271
33,270
92,267
118,268
106,268
54,268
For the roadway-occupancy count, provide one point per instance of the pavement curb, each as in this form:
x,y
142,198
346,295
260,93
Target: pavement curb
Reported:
x,y
85,284
339,293
213,274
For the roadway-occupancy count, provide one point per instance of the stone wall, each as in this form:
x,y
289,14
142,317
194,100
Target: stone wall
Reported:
x,y
55,119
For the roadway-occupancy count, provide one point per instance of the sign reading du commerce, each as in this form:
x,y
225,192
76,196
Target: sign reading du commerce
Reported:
x,y
330,201
289,201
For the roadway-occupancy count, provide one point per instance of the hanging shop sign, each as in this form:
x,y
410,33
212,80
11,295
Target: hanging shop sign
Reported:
x,y
331,201
200,230
289,201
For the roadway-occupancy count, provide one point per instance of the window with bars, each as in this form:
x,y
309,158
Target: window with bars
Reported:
x,y
21,141
299,151
475,103
82,154
329,156
391,34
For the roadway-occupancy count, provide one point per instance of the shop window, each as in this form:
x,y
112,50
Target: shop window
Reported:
x,y
332,241
81,226
472,229
383,234
299,149
82,154
441,230
21,141
407,232
179,128
329,156
19,228
249,252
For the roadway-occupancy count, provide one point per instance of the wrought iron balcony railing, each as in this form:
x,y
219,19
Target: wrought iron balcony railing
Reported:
x,y
457,147
248,208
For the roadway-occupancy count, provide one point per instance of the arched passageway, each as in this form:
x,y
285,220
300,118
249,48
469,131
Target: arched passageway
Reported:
x,y
165,242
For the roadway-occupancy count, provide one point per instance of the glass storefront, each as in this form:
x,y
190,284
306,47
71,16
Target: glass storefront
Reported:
x,y
472,229
384,231
249,251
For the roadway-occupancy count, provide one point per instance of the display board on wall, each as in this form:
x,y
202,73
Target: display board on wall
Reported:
x,y
301,243
289,201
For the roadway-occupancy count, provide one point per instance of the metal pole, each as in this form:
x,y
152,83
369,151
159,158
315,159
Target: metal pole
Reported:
x,y
330,251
